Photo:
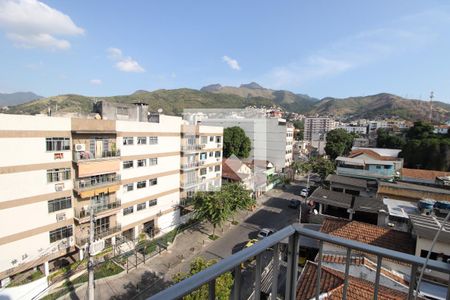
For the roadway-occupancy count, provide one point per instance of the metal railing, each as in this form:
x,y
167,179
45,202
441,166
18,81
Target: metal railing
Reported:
x,y
196,147
293,233
189,184
81,213
191,165
83,184
86,155
99,234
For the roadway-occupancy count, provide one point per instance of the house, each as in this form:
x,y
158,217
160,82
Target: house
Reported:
x,y
370,163
234,170
332,285
349,185
421,176
411,192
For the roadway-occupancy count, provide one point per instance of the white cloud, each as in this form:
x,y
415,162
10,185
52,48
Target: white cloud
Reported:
x,y
95,81
124,63
33,24
232,63
364,48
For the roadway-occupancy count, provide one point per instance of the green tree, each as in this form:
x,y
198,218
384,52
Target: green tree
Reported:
x,y
224,282
208,206
339,142
319,165
235,142
420,130
299,126
237,196
387,140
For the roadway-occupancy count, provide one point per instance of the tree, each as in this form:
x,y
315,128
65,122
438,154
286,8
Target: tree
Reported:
x,y
299,126
208,206
387,140
235,142
224,282
319,165
339,142
420,130
237,196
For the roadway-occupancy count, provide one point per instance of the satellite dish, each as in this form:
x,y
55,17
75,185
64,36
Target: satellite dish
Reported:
x,y
160,110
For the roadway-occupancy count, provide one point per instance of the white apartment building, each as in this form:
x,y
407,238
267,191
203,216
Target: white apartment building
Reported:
x,y
54,169
271,138
201,159
316,128
358,129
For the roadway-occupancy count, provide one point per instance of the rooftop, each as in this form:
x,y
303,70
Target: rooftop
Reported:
x,y
333,178
412,191
427,226
380,151
420,174
332,286
369,234
400,208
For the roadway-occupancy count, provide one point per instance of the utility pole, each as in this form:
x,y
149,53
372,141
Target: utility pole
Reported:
x,y
431,107
90,253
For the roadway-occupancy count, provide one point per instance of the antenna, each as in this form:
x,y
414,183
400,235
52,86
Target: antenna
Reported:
x,y
431,106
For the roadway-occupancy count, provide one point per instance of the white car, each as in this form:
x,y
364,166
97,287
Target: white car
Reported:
x,y
265,232
304,193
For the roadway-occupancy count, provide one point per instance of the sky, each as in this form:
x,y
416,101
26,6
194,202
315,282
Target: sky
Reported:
x,y
320,48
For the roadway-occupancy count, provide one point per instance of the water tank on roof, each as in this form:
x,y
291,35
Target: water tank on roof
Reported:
x,y
425,206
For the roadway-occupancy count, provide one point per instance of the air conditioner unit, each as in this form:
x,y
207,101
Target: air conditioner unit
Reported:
x,y
80,147
59,187
60,217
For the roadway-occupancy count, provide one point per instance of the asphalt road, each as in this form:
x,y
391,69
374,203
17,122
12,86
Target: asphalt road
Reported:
x,y
274,213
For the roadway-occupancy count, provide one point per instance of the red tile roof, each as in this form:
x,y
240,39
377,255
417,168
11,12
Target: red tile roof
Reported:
x,y
229,170
371,153
369,234
423,174
332,285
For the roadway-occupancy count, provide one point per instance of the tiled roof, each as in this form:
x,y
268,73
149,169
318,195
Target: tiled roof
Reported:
x,y
412,191
369,234
229,170
423,174
333,178
371,153
332,286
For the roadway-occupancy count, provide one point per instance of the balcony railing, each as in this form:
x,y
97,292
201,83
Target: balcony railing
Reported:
x,y
85,212
86,155
99,234
293,233
188,184
190,148
87,183
191,165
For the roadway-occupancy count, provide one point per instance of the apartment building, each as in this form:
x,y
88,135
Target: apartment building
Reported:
x,y
316,128
271,138
201,159
56,171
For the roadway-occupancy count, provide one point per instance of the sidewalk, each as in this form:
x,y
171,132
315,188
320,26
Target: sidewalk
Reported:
x,y
157,273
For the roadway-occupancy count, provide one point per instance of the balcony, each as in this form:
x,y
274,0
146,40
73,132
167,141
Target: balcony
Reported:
x,y
192,148
385,174
104,233
189,184
293,234
88,156
95,182
192,165
82,214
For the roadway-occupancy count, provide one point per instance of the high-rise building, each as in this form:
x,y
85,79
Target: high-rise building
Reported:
x,y
316,128
56,171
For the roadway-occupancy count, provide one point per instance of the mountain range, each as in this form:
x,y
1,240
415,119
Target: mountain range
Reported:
x,y
173,102
17,98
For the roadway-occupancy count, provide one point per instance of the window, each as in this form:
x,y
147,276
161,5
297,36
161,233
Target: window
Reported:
x,y
153,140
128,187
211,154
210,169
141,162
211,139
152,202
153,161
141,184
128,140
55,175
127,164
218,154
101,225
218,139
204,139
217,168
60,233
141,206
128,210
142,140
59,204
203,156
203,171
153,181
57,144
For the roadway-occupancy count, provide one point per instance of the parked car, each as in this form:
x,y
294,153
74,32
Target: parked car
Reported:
x,y
265,232
294,203
250,243
304,192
